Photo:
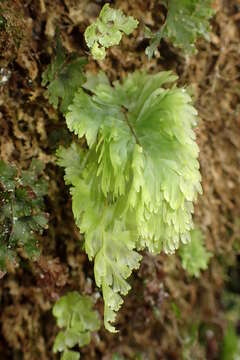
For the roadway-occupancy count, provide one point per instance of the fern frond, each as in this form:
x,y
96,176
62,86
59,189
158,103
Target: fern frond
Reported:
x,y
105,240
63,77
108,30
134,187
22,213
74,313
186,21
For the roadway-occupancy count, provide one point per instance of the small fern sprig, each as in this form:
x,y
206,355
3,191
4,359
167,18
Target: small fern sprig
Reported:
x,y
22,214
135,184
75,315
108,30
63,76
186,21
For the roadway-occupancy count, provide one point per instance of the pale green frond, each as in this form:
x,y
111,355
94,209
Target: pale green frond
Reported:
x,y
136,187
111,246
108,30
74,313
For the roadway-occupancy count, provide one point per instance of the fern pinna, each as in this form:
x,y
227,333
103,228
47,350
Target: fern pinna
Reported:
x,y
134,184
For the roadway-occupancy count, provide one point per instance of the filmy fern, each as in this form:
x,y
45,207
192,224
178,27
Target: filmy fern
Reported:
x,y
63,77
186,21
108,30
22,213
75,314
134,186
194,255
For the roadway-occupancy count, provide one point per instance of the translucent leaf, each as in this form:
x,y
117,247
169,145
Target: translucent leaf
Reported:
x,y
59,343
134,187
22,213
71,337
63,77
186,21
194,255
74,313
70,355
74,156
108,30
